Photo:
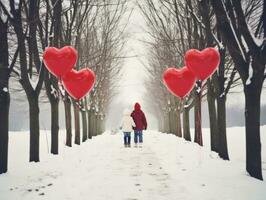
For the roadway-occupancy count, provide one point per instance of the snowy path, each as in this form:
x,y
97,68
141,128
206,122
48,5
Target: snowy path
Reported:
x,y
101,169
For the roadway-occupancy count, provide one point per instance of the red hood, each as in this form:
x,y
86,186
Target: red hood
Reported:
x,y
139,118
137,106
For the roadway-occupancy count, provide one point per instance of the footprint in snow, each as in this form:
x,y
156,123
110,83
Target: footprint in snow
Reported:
x,y
135,174
15,188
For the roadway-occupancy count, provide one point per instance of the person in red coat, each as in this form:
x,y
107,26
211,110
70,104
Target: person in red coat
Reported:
x,y
140,122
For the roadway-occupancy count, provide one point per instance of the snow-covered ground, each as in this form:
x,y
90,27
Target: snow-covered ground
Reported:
x,y
166,167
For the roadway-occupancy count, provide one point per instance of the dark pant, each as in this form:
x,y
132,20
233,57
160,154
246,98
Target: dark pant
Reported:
x,y
138,138
127,138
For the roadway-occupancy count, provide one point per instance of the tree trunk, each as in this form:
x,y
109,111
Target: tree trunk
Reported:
x,y
221,109
89,124
4,116
51,87
174,122
166,123
95,124
84,126
252,120
54,126
160,123
52,82
93,127
197,115
170,122
213,118
178,123
98,117
34,128
98,125
4,98
186,125
67,105
103,124
77,124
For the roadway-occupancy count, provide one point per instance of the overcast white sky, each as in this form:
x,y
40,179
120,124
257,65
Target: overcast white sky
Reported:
x,y
131,85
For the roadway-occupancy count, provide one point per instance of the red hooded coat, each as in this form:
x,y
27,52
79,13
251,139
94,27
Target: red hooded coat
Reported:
x,y
139,118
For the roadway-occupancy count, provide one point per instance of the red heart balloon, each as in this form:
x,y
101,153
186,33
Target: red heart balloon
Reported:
x,y
78,83
202,63
60,61
179,81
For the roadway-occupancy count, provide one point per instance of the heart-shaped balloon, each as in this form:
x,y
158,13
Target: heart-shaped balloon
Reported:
x,y
60,61
202,63
78,83
179,81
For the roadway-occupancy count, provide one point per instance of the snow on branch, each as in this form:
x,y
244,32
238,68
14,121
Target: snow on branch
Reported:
x,y
54,91
5,10
250,72
234,32
16,4
222,95
219,43
62,90
258,41
3,16
5,89
244,44
33,83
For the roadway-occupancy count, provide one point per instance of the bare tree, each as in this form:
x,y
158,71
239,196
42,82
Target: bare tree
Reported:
x,y
27,66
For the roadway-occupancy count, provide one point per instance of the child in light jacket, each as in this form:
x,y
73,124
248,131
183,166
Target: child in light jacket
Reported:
x,y
127,127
